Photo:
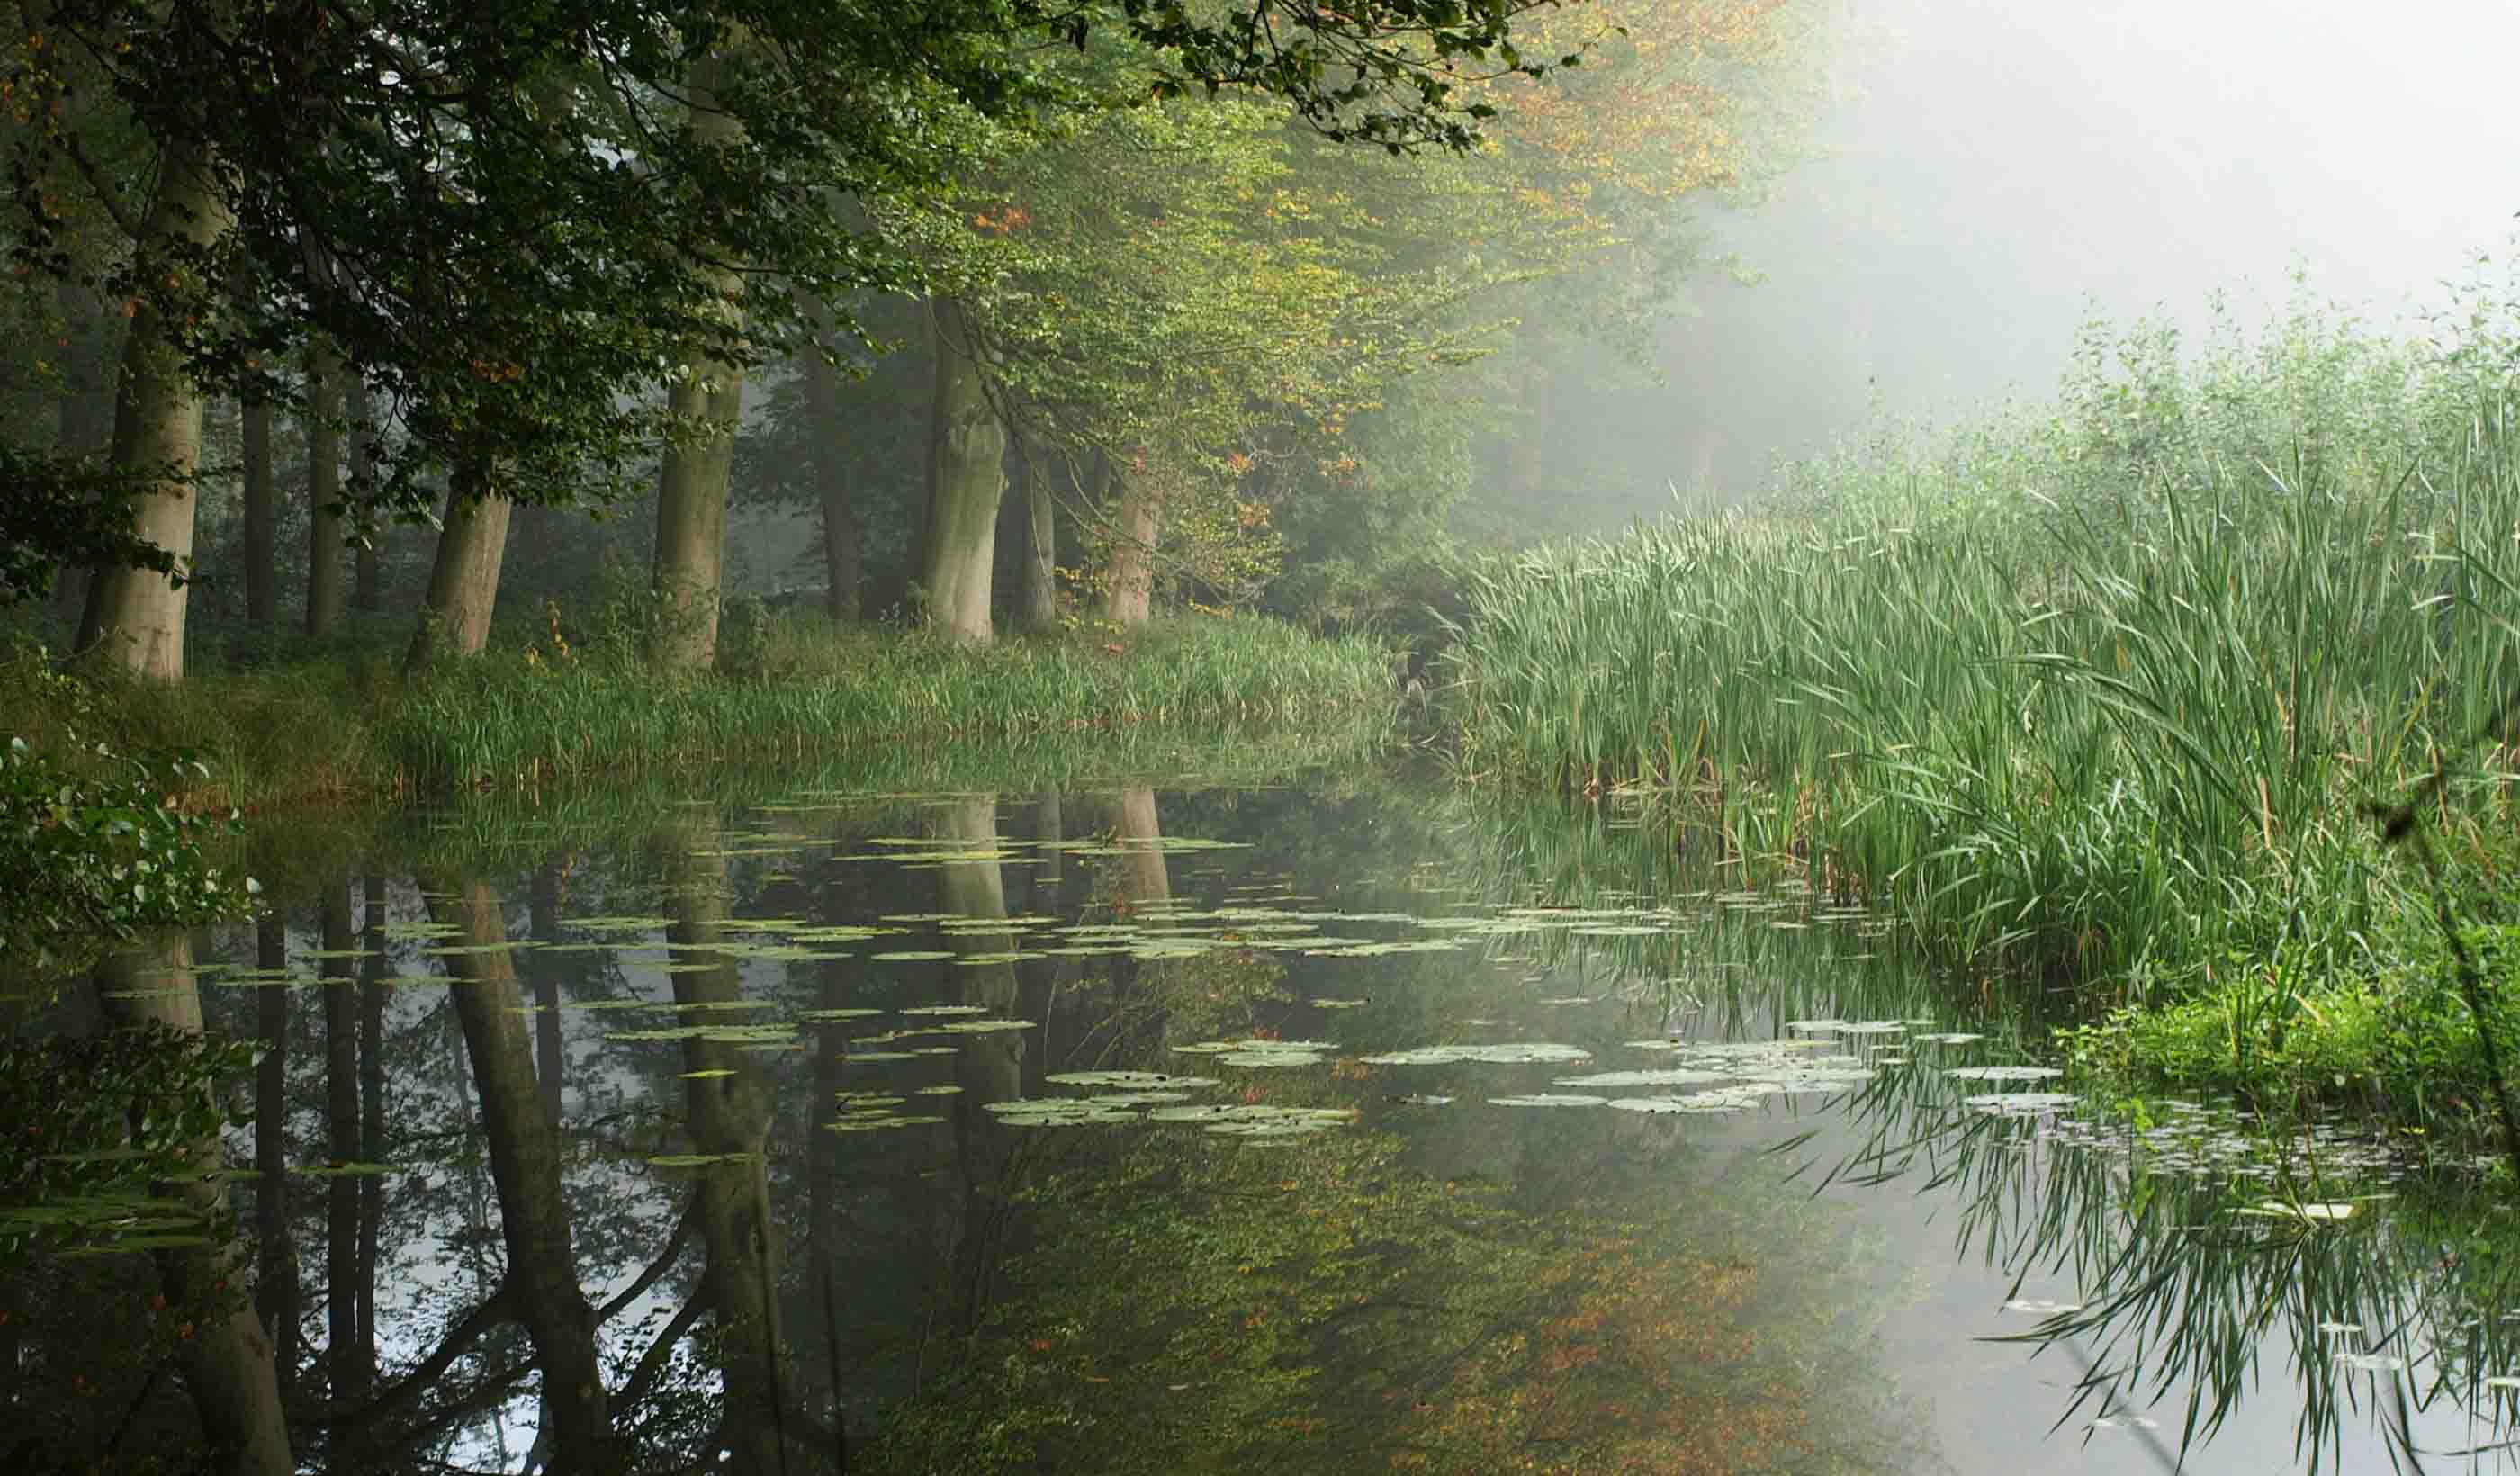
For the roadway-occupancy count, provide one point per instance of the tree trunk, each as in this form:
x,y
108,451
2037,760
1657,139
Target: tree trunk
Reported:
x,y
707,400
350,1381
372,1110
85,410
324,597
1129,597
1040,606
965,476
726,1112
526,1166
135,618
276,1272
464,583
261,515
551,1045
367,593
989,1067
843,563
227,1361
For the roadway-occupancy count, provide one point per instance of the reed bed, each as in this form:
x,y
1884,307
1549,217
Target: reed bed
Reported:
x,y
2093,694
803,688
808,685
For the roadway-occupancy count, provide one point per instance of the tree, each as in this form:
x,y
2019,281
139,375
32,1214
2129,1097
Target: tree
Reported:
x,y
966,479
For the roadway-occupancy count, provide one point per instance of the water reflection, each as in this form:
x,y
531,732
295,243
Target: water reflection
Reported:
x,y
655,1144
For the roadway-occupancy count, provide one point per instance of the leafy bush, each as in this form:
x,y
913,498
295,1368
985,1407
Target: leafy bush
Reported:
x,y
99,853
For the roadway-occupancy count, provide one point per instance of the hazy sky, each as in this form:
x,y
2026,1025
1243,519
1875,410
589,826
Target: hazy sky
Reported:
x,y
1997,168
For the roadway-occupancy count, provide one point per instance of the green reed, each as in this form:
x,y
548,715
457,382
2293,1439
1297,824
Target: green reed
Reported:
x,y
2090,694
329,727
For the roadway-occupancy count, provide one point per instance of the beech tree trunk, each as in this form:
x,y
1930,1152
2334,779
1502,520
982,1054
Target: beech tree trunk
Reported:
x,y
324,596
276,1290
843,560
372,1109
965,476
526,1166
367,593
350,1380
84,410
135,618
551,1046
708,399
261,515
464,583
726,1112
1040,603
1129,597
227,1361
989,1067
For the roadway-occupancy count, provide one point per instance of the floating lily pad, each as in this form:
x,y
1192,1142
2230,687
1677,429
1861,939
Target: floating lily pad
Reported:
x,y
700,1160
912,956
1270,1059
1678,1076
1513,1053
2004,1073
2041,1307
1131,1079
2308,1214
1673,1106
1548,1099
945,1010
2022,1103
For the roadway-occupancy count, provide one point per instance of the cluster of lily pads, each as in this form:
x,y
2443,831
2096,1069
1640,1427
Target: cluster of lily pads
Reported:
x,y
1152,1096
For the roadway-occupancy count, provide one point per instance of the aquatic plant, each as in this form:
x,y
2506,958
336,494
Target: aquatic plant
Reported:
x,y
2090,696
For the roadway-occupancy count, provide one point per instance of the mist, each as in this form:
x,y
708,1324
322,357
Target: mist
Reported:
x,y
1987,177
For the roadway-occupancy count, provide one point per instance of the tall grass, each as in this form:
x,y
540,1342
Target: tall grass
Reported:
x,y
794,687
2092,693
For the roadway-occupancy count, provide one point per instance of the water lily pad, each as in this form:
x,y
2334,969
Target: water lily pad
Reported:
x,y
1548,1099
700,1160
2004,1073
1130,1079
1673,1106
2041,1307
1510,1054
1679,1076
1270,1059
2308,1214
2022,1103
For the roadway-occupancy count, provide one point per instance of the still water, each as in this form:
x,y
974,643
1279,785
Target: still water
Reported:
x,y
1352,1126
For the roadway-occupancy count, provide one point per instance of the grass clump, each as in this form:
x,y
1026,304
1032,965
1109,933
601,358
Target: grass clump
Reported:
x,y
2092,696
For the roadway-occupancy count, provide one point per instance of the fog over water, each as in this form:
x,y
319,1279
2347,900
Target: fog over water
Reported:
x,y
1994,172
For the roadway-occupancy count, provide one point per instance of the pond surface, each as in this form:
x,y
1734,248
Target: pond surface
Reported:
x,y
1347,1126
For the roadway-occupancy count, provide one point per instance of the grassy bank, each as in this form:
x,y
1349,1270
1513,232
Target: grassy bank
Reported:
x,y
335,726
2093,696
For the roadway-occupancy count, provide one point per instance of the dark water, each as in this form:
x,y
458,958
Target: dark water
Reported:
x,y
737,1130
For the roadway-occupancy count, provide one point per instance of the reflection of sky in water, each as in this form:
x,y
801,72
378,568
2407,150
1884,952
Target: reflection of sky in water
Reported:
x,y
1505,1029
